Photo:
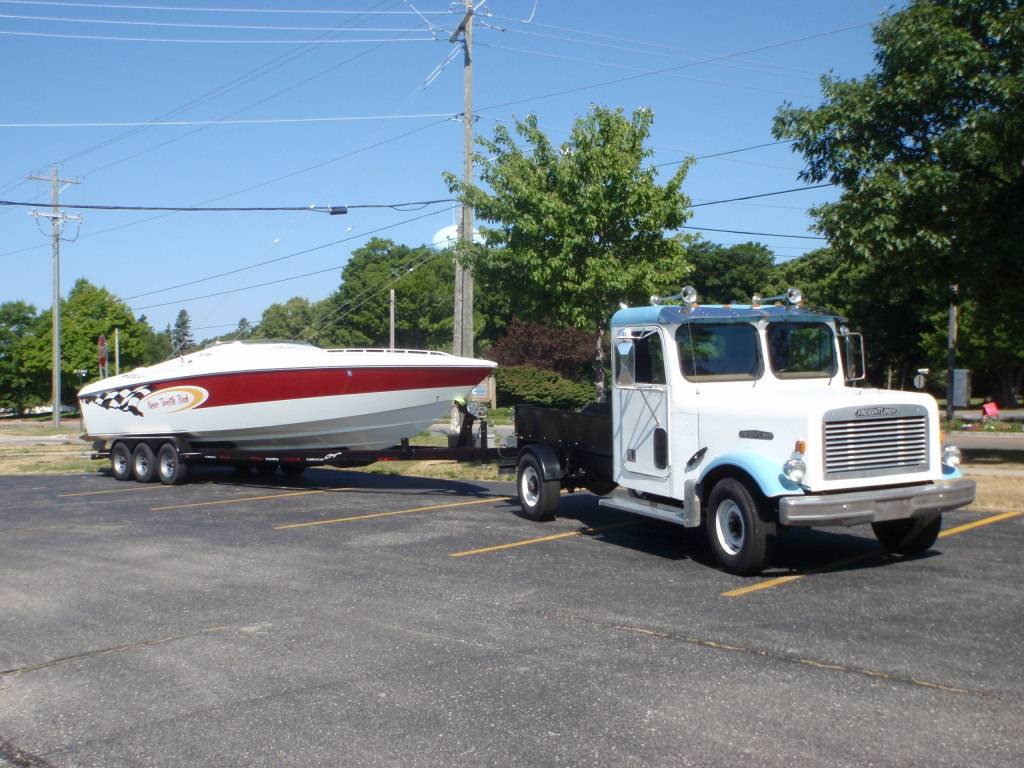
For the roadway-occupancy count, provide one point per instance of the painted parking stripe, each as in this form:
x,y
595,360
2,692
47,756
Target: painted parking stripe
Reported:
x,y
133,489
781,580
539,540
375,515
240,500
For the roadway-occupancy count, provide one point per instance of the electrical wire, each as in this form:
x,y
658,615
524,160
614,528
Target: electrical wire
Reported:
x,y
280,258
761,234
184,8
709,60
254,121
282,280
187,25
212,41
329,209
762,194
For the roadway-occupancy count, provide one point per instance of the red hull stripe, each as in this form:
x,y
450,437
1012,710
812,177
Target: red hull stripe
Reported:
x,y
244,387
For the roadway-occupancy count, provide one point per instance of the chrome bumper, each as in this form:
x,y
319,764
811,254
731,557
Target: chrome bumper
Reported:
x,y
876,505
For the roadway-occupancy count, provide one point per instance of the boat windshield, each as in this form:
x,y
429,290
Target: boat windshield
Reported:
x,y
802,350
719,352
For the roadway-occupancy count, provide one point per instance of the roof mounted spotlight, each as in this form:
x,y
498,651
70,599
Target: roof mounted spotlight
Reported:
x,y
794,296
755,300
688,295
655,301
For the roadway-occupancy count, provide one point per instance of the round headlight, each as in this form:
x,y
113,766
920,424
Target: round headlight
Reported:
x,y
795,470
951,456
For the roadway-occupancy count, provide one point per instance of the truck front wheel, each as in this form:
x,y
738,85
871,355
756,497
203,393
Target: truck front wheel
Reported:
x,y
742,540
538,497
908,537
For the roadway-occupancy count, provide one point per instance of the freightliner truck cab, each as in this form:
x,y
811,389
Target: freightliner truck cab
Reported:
x,y
742,418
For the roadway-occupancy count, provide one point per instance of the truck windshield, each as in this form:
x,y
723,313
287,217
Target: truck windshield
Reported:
x,y
801,350
719,352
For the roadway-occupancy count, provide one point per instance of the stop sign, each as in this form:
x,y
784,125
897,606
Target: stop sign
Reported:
x,y
101,348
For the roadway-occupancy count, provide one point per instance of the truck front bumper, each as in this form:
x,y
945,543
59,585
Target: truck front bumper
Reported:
x,y
876,505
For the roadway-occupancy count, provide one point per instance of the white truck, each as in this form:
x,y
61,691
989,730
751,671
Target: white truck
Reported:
x,y
741,419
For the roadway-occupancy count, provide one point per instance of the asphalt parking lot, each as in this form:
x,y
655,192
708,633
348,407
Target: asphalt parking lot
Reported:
x,y
351,619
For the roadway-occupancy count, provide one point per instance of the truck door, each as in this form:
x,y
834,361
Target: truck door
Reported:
x,y
640,406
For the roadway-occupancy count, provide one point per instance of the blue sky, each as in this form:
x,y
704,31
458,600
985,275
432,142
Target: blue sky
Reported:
x,y
350,121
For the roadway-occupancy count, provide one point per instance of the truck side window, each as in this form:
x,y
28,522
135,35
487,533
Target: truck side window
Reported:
x,y
650,360
719,352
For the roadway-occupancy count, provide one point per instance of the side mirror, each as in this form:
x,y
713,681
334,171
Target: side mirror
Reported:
x,y
853,356
625,363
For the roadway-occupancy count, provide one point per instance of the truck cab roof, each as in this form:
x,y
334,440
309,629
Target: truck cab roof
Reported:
x,y
715,313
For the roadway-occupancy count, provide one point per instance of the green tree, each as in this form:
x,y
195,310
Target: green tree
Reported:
x,y
357,314
21,385
288,321
579,227
729,274
927,150
182,340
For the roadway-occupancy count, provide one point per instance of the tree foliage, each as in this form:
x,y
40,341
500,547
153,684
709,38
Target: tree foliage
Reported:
x,y
182,340
21,385
567,351
729,274
578,227
927,150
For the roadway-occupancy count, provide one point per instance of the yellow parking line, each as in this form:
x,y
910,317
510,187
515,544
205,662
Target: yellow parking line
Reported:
x,y
779,581
133,489
237,501
373,515
540,540
979,523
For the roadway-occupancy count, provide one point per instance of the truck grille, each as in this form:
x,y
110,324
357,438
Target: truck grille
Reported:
x,y
863,442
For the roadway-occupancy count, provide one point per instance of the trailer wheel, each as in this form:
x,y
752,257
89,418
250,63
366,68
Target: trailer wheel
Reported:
x,y
537,497
742,540
169,466
908,537
144,463
121,462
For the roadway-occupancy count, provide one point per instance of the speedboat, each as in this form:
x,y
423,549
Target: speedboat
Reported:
x,y
281,396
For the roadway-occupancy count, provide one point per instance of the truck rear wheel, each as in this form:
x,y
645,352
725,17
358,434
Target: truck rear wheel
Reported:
x,y
537,497
908,537
742,540
169,466
144,463
121,462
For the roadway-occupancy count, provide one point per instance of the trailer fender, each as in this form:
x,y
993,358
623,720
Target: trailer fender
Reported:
x,y
549,463
767,474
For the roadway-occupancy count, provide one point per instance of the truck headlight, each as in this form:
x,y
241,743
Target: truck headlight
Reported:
x,y
951,456
795,470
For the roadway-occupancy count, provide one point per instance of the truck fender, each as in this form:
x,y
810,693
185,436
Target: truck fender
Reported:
x,y
762,470
549,463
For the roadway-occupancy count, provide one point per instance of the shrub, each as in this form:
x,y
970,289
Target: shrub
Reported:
x,y
527,384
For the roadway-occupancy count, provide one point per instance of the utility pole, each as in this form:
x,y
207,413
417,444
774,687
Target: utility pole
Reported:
x,y
954,295
392,323
57,219
463,318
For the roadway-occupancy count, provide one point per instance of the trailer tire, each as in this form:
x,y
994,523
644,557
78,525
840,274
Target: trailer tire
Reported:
x,y
169,467
537,497
121,462
740,536
143,463
908,537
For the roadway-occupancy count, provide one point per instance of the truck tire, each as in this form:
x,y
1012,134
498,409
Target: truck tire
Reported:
x,y
537,497
741,538
121,462
143,464
169,467
908,537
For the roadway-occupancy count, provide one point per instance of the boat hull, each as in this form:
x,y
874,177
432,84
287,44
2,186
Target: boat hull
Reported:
x,y
356,407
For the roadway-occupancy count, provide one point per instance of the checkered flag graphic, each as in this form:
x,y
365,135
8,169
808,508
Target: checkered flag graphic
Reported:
x,y
123,399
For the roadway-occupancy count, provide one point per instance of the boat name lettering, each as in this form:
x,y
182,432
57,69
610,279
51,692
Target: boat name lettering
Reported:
x,y
174,399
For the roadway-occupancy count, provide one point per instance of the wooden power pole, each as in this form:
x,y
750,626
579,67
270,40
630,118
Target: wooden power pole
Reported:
x,y
57,219
463,316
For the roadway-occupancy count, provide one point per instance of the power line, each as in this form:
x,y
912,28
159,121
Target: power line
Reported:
x,y
270,261
710,60
761,234
212,41
329,209
181,8
188,25
254,121
762,194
